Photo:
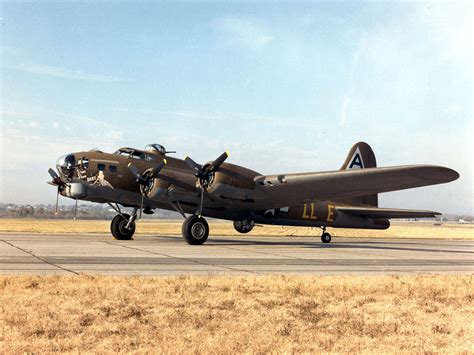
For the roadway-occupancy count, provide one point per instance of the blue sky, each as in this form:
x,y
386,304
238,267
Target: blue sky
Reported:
x,y
285,86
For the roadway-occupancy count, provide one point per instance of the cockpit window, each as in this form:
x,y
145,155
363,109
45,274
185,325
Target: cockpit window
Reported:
x,y
122,152
137,155
131,153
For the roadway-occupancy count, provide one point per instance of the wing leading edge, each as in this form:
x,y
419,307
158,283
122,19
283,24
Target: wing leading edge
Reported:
x,y
284,190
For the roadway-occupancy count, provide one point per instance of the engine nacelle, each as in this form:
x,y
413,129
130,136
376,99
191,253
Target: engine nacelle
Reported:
x,y
231,181
156,189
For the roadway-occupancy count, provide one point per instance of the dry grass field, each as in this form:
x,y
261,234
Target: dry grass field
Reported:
x,y
173,227
425,313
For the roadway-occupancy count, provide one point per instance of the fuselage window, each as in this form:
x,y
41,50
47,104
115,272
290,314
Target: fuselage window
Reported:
x,y
101,167
113,169
84,162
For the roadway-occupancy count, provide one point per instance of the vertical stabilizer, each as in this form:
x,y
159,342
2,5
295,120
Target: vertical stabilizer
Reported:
x,y
361,156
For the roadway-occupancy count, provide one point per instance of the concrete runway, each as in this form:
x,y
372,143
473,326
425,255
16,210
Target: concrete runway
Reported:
x,y
170,255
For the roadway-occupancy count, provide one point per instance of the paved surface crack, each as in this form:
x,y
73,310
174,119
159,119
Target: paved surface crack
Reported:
x,y
187,259
39,258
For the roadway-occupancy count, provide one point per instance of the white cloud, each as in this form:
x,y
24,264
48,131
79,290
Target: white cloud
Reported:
x,y
243,32
63,73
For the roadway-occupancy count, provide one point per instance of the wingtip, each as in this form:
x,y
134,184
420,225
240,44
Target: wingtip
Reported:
x,y
450,174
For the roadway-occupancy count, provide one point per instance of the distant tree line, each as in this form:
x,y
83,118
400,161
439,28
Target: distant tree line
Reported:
x,y
103,211
96,212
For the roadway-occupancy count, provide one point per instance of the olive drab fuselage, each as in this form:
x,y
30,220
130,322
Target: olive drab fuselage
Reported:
x,y
152,179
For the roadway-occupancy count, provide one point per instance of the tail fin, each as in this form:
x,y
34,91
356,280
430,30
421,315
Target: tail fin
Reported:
x,y
361,156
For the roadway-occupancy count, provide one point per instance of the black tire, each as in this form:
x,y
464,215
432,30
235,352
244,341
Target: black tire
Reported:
x,y
118,227
326,237
238,226
195,230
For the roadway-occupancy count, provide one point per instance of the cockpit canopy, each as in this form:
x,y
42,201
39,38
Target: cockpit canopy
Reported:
x,y
147,154
130,153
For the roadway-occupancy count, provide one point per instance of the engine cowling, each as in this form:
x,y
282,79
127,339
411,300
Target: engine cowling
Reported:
x,y
229,180
155,189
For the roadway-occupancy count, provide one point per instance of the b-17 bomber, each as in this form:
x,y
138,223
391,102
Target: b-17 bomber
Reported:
x,y
149,179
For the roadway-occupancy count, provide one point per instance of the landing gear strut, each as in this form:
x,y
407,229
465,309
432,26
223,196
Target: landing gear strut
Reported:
x,y
195,230
123,225
325,237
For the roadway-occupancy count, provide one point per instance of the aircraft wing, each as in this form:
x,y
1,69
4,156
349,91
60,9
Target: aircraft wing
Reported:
x,y
285,190
375,212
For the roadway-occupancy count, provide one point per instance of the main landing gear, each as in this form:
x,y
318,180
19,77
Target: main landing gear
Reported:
x,y
325,237
195,230
123,225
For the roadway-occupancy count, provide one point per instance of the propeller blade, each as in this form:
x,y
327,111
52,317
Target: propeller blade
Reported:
x,y
57,201
155,171
218,162
134,170
53,174
192,164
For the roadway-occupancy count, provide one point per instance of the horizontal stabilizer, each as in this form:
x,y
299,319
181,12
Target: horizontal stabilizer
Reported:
x,y
374,212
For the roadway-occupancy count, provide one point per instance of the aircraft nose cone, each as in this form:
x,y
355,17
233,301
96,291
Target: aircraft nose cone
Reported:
x,y
66,165
67,161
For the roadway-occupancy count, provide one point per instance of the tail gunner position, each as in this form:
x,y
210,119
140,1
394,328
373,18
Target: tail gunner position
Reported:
x,y
148,179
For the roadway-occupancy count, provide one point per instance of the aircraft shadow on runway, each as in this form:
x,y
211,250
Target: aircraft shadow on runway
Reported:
x,y
367,245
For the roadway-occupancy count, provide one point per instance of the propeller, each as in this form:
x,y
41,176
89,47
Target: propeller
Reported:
x,y
145,179
205,173
56,182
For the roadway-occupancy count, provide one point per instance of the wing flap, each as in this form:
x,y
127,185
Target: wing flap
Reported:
x,y
375,212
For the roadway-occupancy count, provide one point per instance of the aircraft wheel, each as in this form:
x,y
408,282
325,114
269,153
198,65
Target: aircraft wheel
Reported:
x,y
243,226
326,237
119,229
195,230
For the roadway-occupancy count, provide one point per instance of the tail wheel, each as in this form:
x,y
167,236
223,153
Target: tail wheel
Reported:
x,y
326,237
119,228
195,230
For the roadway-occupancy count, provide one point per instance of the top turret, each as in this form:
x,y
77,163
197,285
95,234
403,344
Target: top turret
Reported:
x,y
157,148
